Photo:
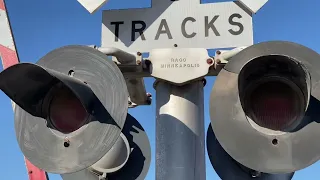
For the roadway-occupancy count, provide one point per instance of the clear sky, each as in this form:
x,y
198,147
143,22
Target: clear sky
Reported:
x,y
40,26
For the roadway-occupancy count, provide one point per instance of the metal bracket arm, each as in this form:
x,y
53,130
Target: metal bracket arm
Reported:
x,y
128,62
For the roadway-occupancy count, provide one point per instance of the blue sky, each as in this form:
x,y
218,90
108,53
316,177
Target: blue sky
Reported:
x,y
40,26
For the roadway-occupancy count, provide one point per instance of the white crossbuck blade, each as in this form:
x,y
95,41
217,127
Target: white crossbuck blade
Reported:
x,y
93,5
253,5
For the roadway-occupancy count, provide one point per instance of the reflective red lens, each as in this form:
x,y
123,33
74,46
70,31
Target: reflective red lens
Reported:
x,y
274,105
67,113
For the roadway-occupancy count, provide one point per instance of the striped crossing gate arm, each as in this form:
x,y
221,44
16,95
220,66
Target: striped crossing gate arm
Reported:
x,y
9,57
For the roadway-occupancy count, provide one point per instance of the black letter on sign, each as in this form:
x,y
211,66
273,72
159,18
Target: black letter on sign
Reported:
x,y
116,29
134,30
163,24
235,24
183,27
209,25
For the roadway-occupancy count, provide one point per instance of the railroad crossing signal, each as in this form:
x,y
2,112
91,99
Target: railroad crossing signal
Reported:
x,y
74,99
263,107
71,115
62,106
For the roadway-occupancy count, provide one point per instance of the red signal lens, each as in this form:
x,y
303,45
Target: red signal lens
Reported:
x,y
67,113
275,105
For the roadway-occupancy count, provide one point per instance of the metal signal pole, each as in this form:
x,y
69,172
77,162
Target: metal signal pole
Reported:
x,y
180,152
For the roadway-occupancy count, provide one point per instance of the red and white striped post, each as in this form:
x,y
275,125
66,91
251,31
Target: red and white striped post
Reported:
x,y
9,57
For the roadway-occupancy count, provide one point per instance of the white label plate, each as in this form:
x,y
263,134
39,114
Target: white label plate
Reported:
x,y
179,65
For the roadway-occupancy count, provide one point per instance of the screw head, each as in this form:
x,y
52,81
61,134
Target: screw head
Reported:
x,y
255,174
275,142
66,142
218,52
139,53
209,61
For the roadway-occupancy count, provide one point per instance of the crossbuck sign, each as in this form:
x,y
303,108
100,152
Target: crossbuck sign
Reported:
x,y
184,24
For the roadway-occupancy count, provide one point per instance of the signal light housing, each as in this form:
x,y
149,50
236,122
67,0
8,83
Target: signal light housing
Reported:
x,y
73,83
244,107
228,168
122,166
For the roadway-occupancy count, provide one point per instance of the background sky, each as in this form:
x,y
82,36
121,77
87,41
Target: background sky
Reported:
x,y
40,26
